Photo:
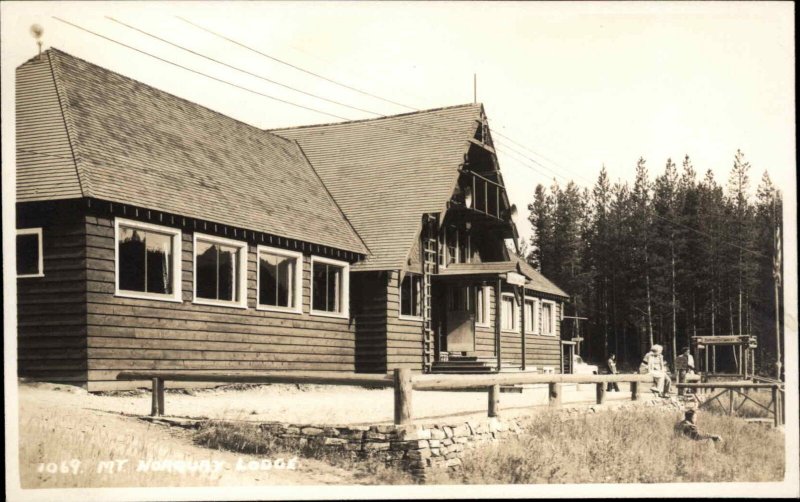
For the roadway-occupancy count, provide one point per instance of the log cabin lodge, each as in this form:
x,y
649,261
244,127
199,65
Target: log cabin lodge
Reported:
x,y
154,233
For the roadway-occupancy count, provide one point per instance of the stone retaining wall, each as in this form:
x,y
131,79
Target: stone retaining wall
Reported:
x,y
420,448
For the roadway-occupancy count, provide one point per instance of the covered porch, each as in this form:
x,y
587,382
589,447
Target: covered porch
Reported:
x,y
485,318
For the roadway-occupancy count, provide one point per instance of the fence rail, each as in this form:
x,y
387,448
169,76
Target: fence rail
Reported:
x,y
403,381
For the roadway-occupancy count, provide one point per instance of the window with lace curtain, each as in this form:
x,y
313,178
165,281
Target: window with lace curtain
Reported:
x,y
147,264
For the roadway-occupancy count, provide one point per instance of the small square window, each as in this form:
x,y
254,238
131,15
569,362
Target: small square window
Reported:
x,y
30,261
329,287
220,271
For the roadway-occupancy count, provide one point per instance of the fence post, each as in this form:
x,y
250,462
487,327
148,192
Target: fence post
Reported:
x,y
634,391
160,385
494,400
775,407
402,396
154,404
554,393
601,393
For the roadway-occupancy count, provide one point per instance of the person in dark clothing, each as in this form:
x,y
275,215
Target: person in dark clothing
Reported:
x,y
612,370
688,427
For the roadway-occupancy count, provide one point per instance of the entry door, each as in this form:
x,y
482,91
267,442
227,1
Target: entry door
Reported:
x,y
460,319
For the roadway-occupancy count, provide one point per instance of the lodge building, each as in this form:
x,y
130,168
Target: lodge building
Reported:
x,y
154,233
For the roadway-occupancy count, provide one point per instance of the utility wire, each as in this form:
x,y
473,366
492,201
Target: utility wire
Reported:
x,y
327,113
408,132
198,72
247,72
273,58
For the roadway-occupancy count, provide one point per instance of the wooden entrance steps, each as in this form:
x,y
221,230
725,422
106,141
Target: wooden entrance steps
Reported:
x,y
462,364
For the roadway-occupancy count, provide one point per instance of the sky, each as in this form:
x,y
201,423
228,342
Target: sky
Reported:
x,y
575,86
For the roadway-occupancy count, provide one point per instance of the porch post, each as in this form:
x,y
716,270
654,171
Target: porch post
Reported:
x,y
497,320
522,326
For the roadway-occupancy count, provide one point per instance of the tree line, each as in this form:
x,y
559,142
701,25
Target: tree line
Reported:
x,y
662,260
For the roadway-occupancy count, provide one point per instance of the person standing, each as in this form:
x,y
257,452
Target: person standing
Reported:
x,y
612,370
685,366
657,367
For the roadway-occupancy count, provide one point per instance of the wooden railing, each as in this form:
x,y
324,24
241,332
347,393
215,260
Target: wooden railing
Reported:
x,y
403,381
733,389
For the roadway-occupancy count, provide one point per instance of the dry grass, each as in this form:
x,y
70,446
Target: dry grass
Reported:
x,y
245,437
60,436
640,447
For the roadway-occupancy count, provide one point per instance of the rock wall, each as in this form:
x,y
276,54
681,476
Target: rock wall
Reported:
x,y
418,449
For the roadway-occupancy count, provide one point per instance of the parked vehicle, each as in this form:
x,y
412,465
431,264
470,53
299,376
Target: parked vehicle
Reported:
x,y
581,368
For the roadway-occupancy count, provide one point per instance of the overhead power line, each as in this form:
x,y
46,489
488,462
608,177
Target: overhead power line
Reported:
x,y
178,65
247,72
198,72
277,60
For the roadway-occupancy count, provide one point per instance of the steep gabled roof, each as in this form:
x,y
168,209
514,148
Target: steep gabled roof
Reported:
x,y
87,131
385,173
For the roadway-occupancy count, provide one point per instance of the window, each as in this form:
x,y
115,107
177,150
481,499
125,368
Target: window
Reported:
x,y
29,252
482,312
548,317
411,296
220,271
329,287
280,280
531,311
457,245
147,260
509,312
451,238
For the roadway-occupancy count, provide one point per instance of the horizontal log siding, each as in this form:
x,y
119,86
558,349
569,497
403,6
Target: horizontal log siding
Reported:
x,y
544,351
540,351
403,336
51,310
369,308
134,334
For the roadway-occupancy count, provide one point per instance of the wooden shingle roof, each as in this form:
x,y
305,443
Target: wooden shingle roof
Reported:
x,y
536,281
120,140
385,173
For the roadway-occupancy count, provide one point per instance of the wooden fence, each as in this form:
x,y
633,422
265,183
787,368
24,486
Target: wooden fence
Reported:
x,y
734,389
403,381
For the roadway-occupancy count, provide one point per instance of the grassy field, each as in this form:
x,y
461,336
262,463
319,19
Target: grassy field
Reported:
x,y
640,447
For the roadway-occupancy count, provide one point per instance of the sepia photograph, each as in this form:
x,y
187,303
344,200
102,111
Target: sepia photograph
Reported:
x,y
335,250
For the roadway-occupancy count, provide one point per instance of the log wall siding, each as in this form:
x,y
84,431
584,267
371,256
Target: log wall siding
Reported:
x,y
540,350
403,336
51,310
369,293
127,333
